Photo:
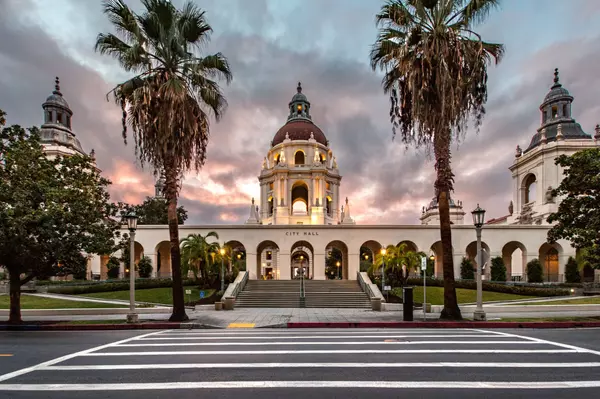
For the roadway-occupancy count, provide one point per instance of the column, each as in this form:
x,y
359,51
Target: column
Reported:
x,y
285,261
353,266
319,266
251,265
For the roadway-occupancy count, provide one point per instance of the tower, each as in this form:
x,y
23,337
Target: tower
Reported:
x,y
299,180
56,133
430,214
534,172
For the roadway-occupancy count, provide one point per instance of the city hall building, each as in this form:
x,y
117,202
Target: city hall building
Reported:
x,y
300,216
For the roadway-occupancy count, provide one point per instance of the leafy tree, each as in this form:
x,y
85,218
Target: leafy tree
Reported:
x,y
399,262
467,269
578,215
198,255
113,267
535,273
435,74
572,274
168,102
144,267
332,272
153,211
498,270
52,211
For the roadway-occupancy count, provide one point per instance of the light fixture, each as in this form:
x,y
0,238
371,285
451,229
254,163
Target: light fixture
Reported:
x,y
337,263
222,251
478,216
383,251
126,270
299,107
432,257
366,257
239,256
301,257
131,218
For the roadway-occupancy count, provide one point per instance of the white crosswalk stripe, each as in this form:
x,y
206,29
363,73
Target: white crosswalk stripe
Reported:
x,y
340,359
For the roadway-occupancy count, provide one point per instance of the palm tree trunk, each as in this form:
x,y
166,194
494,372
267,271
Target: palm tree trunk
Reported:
x,y
443,185
15,298
171,197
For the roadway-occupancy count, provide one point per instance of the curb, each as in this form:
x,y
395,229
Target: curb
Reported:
x,y
104,327
447,324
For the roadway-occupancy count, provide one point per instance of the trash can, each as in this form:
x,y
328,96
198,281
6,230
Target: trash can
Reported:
x,y
407,303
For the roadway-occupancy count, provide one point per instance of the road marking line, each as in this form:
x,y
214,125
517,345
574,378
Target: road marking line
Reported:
x,y
327,337
241,325
315,365
325,351
304,384
52,362
544,341
310,333
332,343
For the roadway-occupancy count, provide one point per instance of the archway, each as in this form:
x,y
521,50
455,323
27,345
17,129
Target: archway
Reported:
x,y
300,198
267,261
410,246
163,259
302,259
514,256
368,252
299,158
332,257
529,188
236,256
549,256
471,254
437,251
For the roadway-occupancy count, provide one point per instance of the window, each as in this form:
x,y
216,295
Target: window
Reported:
x,y
48,116
554,112
59,118
544,116
327,185
68,121
565,112
530,187
299,158
269,255
271,186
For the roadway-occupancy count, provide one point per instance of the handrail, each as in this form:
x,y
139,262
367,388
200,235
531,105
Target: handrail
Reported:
x,y
237,286
368,287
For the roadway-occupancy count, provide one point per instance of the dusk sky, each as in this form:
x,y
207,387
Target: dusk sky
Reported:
x,y
325,44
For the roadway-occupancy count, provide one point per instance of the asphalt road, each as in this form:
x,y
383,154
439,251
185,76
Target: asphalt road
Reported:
x,y
282,363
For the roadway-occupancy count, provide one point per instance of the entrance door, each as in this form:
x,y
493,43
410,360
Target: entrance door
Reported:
x,y
269,273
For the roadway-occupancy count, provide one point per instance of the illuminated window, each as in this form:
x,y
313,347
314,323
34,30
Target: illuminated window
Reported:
x,y
269,255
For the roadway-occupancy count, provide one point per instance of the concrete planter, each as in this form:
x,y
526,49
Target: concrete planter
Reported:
x,y
376,304
229,303
218,305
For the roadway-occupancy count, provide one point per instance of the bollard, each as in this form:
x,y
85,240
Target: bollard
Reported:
x,y
407,303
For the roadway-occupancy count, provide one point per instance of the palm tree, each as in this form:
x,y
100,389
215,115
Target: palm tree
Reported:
x,y
197,254
168,101
436,76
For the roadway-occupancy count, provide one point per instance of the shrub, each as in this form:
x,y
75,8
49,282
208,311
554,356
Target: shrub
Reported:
x,y
119,285
498,270
467,269
572,271
113,265
144,267
534,271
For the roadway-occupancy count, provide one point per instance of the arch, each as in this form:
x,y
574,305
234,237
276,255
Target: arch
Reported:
x,y
332,259
529,186
437,251
300,198
368,250
302,257
277,158
267,258
237,258
471,254
299,157
514,256
549,256
163,259
411,246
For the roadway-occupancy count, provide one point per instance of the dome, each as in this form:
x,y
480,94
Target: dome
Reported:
x,y
557,92
299,130
56,100
299,97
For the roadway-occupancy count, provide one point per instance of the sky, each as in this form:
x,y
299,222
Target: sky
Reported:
x,y
273,44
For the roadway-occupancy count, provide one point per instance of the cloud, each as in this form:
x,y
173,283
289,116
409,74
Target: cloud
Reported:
x,y
271,46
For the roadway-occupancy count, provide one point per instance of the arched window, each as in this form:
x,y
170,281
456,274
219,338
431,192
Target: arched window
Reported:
x,y
529,184
277,157
565,112
299,158
300,199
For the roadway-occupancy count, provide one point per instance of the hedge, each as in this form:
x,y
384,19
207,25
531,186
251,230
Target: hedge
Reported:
x,y
487,286
119,285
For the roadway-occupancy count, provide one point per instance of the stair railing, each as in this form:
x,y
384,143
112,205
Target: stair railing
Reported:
x,y
368,287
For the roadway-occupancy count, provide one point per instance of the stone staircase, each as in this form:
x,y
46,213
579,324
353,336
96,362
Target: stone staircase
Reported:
x,y
318,294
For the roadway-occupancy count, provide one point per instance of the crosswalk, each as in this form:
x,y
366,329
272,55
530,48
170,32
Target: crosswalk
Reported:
x,y
341,359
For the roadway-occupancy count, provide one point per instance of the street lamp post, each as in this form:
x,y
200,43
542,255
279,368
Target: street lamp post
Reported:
x,y
478,218
131,218
383,251
338,267
222,252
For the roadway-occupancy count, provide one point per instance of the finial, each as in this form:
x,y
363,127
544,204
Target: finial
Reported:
x,y
57,86
93,154
299,88
252,200
555,75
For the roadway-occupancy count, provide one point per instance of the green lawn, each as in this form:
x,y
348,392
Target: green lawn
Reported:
x,y
153,295
435,295
34,302
594,300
